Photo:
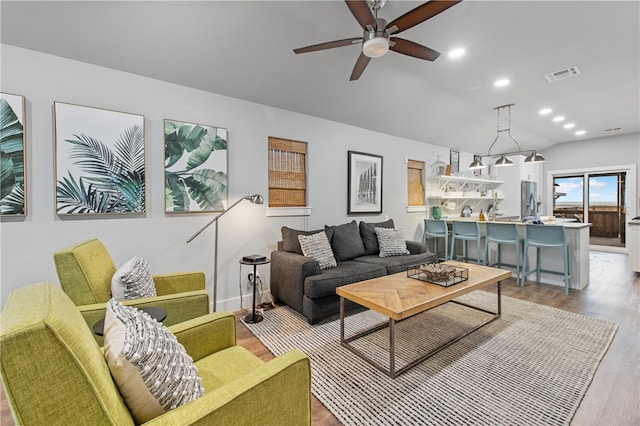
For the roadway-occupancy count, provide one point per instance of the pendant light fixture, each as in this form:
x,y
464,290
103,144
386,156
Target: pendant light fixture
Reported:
x,y
503,160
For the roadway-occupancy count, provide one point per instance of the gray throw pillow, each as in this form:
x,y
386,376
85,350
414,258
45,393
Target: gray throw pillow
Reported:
x,y
290,241
369,237
316,246
346,241
392,242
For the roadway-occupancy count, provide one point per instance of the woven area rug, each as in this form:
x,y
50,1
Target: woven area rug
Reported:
x,y
530,367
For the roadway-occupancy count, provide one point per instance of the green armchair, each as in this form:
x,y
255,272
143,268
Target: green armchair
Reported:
x,y
85,271
54,372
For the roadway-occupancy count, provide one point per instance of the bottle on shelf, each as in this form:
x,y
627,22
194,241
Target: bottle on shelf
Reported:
x,y
481,217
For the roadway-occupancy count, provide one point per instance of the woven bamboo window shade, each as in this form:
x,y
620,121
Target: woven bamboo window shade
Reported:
x,y
287,173
415,183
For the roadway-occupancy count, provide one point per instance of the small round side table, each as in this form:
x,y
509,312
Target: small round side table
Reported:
x,y
254,317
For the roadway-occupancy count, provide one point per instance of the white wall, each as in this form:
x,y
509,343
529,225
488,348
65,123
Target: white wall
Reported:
x,y
27,243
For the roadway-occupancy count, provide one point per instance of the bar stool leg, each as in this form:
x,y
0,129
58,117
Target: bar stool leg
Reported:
x,y
538,265
566,269
486,252
446,247
453,248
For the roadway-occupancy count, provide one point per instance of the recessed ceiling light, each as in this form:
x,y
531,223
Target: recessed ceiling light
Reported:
x,y
501,83
558,118
580,132
569,126
457,53
545,111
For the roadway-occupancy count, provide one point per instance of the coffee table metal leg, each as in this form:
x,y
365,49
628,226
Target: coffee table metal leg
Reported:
x,y
341,320
392,348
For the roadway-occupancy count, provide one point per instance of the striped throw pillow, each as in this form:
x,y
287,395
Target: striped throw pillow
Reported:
x,y
391,242
317,247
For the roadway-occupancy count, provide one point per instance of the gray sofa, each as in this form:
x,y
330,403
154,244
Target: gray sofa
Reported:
x,y
299,282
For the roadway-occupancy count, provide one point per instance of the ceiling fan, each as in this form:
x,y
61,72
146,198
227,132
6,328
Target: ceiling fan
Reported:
x,y
379,36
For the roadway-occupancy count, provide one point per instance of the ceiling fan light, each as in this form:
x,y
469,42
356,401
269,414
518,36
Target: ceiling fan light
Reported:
x,y
503,161
477,164
375,47
534,157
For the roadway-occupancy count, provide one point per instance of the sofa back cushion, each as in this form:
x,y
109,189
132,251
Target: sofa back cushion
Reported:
x,y
290,241
369,237
346,242
52,368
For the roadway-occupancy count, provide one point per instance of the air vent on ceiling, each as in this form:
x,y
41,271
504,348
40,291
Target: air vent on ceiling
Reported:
x,y
562,74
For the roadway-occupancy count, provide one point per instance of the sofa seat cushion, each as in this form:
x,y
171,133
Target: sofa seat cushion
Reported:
x,y
325,283
396,264
237,362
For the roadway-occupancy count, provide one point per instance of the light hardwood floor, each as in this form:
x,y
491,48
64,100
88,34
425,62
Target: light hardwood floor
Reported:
x,y
613,294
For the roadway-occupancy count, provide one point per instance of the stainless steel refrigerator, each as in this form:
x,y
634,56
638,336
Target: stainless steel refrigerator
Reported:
x,y
528,199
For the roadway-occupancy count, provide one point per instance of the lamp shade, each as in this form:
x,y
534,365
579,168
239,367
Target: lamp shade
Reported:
x,y
477,164
255,198
503,161
534,157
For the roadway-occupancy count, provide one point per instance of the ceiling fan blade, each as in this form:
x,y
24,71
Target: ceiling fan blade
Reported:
x,y
419,14
329,45
362,13
361,64
407,47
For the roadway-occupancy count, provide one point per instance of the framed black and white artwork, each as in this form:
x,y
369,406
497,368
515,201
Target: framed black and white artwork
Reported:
x,y
365,183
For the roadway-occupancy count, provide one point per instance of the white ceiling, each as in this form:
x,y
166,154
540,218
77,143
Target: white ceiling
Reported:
x,y
243,49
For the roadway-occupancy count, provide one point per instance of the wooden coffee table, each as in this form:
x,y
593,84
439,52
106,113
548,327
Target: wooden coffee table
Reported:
x,y
399,297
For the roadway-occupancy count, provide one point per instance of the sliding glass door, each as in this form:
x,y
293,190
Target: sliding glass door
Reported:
x,y
601,202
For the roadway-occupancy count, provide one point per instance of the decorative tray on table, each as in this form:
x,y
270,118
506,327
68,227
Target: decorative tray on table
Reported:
x,y
438,273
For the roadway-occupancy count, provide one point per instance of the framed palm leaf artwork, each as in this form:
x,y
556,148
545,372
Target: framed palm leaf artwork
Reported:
x,y
195,171
100,161
13,201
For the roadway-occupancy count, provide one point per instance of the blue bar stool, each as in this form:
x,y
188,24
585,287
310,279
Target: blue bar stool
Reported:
x,y
503,233
547,236
466,231
437,229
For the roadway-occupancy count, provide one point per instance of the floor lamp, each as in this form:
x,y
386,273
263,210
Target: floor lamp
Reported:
x,y
255,199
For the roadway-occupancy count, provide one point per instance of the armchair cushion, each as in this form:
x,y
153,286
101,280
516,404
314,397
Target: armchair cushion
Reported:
x,y
152,369
133,280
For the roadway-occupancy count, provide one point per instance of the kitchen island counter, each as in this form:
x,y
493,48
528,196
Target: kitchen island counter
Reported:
x,y
577,238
